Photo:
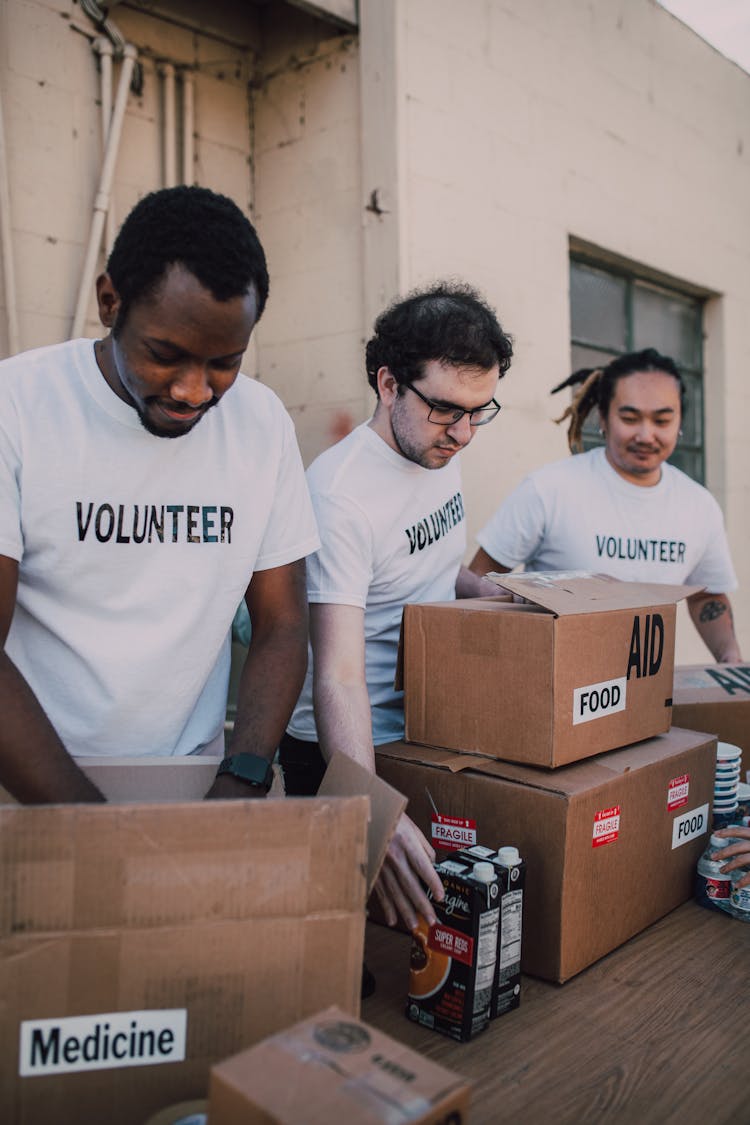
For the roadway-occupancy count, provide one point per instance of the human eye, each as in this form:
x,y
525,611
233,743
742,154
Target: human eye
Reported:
x,y
439,413
161,356
226,362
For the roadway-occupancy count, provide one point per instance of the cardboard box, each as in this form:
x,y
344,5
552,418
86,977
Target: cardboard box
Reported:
x,y
585,665
332,1068
715,698
610,844
139,944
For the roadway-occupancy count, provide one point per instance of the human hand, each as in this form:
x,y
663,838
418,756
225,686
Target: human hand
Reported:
x,y
408,864
738,854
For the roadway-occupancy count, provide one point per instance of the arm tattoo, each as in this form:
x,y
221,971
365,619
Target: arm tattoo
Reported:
x,y
712,610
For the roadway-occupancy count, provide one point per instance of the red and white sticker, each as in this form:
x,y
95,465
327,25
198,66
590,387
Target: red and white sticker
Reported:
x,y
677,793
606,826
450,833
451,942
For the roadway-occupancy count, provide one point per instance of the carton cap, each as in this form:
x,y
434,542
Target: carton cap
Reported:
x,y
509,857
484,872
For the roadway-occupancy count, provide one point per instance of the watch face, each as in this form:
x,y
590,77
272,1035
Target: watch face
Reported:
x,y
250,768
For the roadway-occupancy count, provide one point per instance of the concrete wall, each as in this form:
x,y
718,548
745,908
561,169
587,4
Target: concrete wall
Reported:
x,y
519,125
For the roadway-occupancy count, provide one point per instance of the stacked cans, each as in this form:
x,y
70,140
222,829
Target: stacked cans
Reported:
x,y
726,784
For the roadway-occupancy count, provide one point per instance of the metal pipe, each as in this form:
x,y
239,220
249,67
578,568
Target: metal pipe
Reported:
x,y
101,202
169,138
6,238
104,49
188,119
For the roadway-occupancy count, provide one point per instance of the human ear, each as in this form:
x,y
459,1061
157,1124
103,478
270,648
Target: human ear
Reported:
x,y
107,299
387,386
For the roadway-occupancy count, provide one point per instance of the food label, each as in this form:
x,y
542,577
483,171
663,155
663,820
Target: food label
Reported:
x,y
597,700
689,825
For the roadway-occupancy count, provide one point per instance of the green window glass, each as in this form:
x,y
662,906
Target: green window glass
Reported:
x,y
613,312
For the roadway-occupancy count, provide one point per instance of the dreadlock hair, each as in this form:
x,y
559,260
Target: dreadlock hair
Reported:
x,y
597,387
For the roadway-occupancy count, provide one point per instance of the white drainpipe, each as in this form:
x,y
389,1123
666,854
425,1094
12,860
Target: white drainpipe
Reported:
x,y
101,203
169,140
6,239
188,119
104,49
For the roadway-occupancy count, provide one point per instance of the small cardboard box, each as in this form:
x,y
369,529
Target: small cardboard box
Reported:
x,y
584,665
332,1068
715,698
140,943
610,844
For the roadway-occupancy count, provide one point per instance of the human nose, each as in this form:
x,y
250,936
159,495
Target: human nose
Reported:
x,y
461,431
192,386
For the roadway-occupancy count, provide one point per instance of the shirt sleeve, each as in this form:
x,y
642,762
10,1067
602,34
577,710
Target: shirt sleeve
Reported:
x,y
11,536
514,534
714,570
341,571
291,532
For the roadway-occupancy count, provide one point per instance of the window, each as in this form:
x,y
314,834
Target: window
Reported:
x,y
612,312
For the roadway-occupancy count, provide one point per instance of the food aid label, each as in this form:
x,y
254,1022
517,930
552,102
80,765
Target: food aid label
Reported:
x,y
453,832
453,943
606,826
102,1042
598,700
677,791
689,825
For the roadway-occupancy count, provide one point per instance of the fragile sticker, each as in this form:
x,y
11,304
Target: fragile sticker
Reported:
x,y
452,833
102,1042
606,826
677,792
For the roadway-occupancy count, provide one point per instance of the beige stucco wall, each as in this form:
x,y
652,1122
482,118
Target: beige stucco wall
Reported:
x,y
518,125
469,139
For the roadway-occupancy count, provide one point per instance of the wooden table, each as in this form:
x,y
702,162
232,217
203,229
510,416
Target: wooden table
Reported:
x,y
656,1032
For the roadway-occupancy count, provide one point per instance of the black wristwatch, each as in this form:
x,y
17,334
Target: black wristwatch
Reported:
x,y
250,768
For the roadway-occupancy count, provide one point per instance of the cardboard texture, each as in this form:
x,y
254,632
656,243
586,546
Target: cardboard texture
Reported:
x,y
587,667
610,844
715,698
332,1068
212,924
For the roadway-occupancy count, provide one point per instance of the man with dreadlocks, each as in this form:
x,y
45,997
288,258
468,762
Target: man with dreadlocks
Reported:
x,y
621,509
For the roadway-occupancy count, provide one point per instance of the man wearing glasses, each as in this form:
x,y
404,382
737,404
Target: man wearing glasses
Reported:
x,y
392,532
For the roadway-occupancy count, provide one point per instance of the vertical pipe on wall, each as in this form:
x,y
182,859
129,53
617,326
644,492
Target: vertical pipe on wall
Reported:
x,y
188,117
169,119
101,203
104,49
6,235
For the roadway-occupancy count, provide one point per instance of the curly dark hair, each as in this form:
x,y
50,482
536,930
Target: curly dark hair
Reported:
x,y
205,232
598,387
447,322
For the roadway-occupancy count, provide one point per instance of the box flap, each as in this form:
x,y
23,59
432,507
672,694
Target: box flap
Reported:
x,y
346,778
576,591
567,781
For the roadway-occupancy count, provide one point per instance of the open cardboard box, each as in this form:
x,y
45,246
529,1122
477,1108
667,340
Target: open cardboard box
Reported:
x,y
584,665
715,698
332,1068
142,942
610,843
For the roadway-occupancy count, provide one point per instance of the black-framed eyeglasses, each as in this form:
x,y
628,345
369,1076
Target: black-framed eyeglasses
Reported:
x,y
442,414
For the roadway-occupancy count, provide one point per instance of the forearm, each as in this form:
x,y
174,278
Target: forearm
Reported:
x,y
35,767
470,584
482,563
343,720
712,617
269,687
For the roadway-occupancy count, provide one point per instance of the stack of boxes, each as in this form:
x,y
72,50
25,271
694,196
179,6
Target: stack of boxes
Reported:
x,y
545,722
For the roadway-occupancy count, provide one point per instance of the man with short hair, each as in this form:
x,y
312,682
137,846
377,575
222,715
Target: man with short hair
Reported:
x,y
145,490
392,531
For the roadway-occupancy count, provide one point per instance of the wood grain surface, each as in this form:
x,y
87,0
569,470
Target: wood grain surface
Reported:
x,y
656,1032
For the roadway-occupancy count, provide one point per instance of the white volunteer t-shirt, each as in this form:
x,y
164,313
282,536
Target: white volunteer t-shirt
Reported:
x,y
391,532
134,551
579,514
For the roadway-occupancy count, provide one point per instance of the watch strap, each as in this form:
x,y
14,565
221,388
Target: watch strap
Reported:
x,y
250,768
